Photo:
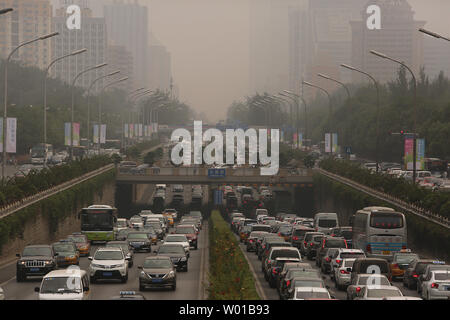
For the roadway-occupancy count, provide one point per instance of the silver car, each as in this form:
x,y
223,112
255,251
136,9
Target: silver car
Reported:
x,y
342,274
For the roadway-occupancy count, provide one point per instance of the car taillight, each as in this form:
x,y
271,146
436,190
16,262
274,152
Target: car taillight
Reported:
x,y
305,243
338,261
279,233
415,275
403,247
333,235
344,272
358,289
311,244
327,259
274,271
434,285
369,248
251,240
346,246
288,283
294,238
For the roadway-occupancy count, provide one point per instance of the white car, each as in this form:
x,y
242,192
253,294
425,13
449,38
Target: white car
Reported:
x,y
67,284
178,239
2,294
375,292
340,255
342,274
109,263
303,293
436,285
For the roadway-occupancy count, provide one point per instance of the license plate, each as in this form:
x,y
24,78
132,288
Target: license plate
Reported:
x,y
386,253
156,280
34,269
107,274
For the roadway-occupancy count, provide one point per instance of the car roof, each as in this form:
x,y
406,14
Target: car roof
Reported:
x,y
65,273
109,249
377,286
157,258
39,246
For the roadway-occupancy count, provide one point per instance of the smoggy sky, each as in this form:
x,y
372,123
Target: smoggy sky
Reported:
x,y
208,40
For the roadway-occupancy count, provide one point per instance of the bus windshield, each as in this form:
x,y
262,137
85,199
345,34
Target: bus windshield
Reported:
x,y
96,221
385,220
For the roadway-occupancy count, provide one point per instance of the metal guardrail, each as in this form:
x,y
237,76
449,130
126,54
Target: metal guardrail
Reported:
x,y
25,202
413,209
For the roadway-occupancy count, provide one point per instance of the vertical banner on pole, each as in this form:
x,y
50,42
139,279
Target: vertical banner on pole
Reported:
x,y
327,142
11,135
140,129
136,130
300,140
76,134
126,130
67,134
335,143
131,130
96,134
409,144
294,139
103,133
420,154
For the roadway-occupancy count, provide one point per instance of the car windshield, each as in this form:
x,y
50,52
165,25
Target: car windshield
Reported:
x,y
303,273
141,236
37,251
60,285
442,276
311,295
184,230
285,254
121,224
261,228
346,234
381,293
335,243
317,238
171,249
78,239
63,248
327,223
383,220
157,264
365,265
382,281
308,283
108,255
405,258
176,239
352,255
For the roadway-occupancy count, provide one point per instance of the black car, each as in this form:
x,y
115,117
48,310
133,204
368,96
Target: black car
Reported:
x,y
415,270
139,241
157,272
176,253
36,260
329,242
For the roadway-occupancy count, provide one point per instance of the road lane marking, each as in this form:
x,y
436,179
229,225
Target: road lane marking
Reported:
x,y
259,288
8,281
201,287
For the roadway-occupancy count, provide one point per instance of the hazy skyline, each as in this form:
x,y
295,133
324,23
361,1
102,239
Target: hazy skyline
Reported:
x,y
208,40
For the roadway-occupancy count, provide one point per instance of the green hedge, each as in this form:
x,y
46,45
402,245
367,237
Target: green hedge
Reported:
x,y
55,208
136,151
437,202
422,234
230,277
36,181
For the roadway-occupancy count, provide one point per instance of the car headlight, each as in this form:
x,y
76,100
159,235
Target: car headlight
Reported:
x,y
22,263
171,274
93,265
144,274
49,262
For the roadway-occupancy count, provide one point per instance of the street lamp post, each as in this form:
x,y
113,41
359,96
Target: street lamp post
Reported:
x,y
45,90
296,111
73,102
282,98
306,118
331,111
382,55
100,105
348,97
375,82
89,104
5,111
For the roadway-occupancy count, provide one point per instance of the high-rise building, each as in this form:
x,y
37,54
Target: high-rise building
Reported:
x,y
397,38
127,25
119,58
269,45
436,57
29,20
160,65
92,35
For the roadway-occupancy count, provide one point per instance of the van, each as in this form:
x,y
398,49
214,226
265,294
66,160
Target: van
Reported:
x,y
324,222
67,284
371,265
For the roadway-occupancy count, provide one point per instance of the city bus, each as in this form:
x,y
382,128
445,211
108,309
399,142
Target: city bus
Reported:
x,y
41,153
379,231
97,222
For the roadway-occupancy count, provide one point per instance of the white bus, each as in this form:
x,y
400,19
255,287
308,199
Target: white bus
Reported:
x,y
41,153
379,231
